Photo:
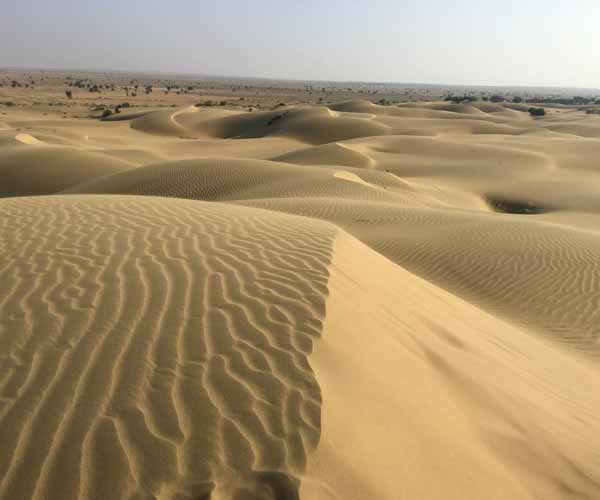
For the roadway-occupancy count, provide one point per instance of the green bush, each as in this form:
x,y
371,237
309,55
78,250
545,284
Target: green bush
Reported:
x,y
537,111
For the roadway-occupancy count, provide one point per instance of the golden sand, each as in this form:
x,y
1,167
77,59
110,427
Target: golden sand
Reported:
x,y
327,302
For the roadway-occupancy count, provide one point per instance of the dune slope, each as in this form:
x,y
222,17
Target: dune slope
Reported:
x,y
155,348
38,169
426,396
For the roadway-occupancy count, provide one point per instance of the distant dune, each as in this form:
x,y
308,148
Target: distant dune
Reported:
x,y
320,302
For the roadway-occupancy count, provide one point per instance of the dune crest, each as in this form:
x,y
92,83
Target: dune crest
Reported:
x,y
27,139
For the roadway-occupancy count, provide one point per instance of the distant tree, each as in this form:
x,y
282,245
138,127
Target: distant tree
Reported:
x,y
517,99
537,111
497,98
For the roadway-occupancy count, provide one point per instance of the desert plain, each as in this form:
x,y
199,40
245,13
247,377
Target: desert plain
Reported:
x,y
244,292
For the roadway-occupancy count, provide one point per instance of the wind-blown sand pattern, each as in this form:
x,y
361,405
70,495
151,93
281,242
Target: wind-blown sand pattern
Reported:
x,y
319,302
174,339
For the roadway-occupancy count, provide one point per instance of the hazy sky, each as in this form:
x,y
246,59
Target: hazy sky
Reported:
x,y
510,42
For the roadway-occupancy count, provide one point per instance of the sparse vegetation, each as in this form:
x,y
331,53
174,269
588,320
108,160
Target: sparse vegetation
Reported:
x,y
275,119
459,99
565,101
537,111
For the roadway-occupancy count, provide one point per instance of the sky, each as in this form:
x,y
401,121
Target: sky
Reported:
x,y
472,42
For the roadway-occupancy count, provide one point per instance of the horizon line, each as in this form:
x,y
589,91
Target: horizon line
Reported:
x,y
287,79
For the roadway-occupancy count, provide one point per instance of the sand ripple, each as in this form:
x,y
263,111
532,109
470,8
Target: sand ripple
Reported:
x,y
161,344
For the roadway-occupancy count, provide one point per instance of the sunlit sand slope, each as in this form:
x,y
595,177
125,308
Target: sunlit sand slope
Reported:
x,y
426,396
156,348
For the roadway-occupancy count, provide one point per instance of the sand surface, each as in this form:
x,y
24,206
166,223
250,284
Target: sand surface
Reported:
x,y
321,302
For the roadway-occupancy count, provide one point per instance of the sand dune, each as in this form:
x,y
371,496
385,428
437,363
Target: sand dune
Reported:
x,y
173,336
425,396
35,169
322,124
319,302
228,179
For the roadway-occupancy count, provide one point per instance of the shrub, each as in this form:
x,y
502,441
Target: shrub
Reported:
x,y
458,99
537,111
69,94
106,113
274,119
